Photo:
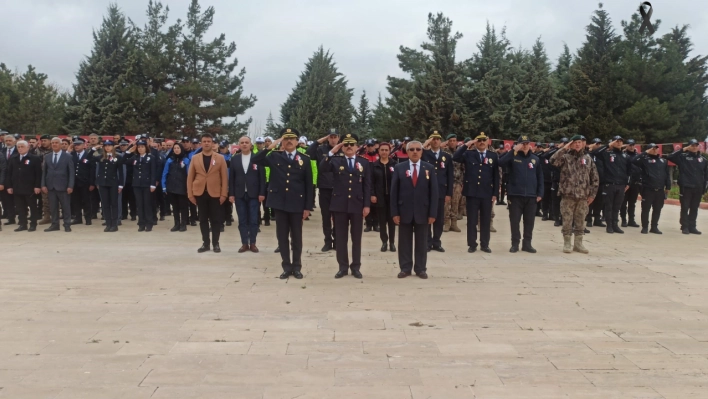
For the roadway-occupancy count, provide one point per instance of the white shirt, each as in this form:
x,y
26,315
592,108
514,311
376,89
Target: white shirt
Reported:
x,y
81,154
437,154
417,166
291,153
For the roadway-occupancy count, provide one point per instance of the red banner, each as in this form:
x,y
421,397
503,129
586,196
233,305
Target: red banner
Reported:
x,y
638,148
702,146
675,147
508,144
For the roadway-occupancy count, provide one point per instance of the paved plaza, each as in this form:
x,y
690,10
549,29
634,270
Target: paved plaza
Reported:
x,y
135,315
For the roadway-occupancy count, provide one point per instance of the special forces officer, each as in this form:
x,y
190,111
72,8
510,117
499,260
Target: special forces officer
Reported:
x,y
693,181
351,200
656,181
629,202
616,170
445,171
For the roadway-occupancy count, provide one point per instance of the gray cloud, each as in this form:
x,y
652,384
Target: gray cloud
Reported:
x,y
275,37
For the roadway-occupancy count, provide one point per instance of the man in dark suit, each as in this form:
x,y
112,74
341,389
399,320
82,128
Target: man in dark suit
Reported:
x,y
319,151
8,200
480,188
445,170
414,200
290,195
24,178
81,197
58,182
351,200
246,190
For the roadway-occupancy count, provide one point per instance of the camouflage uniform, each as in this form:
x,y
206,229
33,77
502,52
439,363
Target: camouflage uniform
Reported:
x,y
579,181
452,210
41,152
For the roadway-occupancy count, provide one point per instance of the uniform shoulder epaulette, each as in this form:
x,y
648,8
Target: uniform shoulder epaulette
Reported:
x,y
304,155
446,152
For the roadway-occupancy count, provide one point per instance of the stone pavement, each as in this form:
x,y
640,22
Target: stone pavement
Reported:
x,y
142,315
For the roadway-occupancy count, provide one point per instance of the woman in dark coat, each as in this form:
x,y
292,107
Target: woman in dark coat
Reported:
x,y
382,170
107,176
144,182
174,184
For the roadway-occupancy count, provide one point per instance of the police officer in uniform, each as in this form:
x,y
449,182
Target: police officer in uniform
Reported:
x,y
144,183
107,176
692,181
616,170
81,197
481,188
656,182
546,168
445,171
595,216
319,151
290,195
351,200
629,202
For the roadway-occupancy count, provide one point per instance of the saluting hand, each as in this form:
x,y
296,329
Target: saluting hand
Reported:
x,y
323,139
337,147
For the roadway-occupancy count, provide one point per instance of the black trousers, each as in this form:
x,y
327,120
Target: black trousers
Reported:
x,y
436,229
193,214
327,228
22,202
387,228
690,201
8,204
613,195
81,201
210,217
128,199
143,200
408,234
180,208
342,220
522,207
652,201
483,207
109,199
629,203
228,209
555,200
597,205
95,203
504,181
288,229
371,219
547,201
266,210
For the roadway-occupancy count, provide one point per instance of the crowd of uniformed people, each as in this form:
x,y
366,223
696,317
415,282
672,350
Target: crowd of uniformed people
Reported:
x,y
420,188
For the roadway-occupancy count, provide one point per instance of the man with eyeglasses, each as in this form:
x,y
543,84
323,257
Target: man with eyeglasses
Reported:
x,y
692,181
481,189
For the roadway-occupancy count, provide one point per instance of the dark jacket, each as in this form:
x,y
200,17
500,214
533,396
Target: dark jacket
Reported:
x,y
414,204
693,169
616,166
554,173
25,175
252,183
108,173
654,171
59,176
351,189
82,168
525,174
144,169
546,167
381,182
481,176
636,173
3,168
319,152
445,170
290,188
174,175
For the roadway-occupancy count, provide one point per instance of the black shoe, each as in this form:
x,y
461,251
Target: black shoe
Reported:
x,y
191,224
162,218
88,222
617,230
32,228
683,230
438,248
175,228
285,275
357,274
67,229
376,228
539,214
76,221
624,223
392,247
544,217
298,275
609,230
528,248
267,223
694,231
10,222
586,231
148,228
557,223
632,223
120,223
183,228
599,223
514,249
103,224
141,228
133,218
655,230
107,229
277,250
340,274
327,248
113,229
228,223
472,249
645,230
217,248
430,248
367,229
203,248
384,248
487,250
501,203
21,228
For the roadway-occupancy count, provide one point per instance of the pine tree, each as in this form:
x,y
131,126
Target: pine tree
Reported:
x,y
362,117
271,129
8,98
320,100
28,104
380,120
206,91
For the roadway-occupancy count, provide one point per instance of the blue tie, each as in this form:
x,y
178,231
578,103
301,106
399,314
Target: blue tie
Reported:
x,y
351,164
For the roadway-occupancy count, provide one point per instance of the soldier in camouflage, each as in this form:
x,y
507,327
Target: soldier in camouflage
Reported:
x,y
452,208
578,185
43,149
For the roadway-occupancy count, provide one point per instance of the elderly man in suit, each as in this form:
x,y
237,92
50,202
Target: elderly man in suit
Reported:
x,y
247,190
24,180
58,183
9,151
414,206
208,188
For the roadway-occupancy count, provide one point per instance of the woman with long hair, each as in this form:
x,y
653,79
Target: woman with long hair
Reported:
x,y
174,184
382,171
144,182
107,176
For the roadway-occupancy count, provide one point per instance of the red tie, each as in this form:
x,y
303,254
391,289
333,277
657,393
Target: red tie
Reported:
x,y
415,175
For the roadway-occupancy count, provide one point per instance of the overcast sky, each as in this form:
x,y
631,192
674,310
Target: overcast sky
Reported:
x,y
275,38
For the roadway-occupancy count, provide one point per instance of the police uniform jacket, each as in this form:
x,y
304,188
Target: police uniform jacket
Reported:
x,y
290,188
616,166
635,171
82,166
445,170
481,174
108,172
554,173
23,176
414,204
381,176
654,171
351,189
693,169
144,169
525,174
546,167
319,152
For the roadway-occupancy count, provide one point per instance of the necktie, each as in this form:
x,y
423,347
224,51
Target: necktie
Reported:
x,y
415,175
55,158
351,164
290,156
481,157
437,155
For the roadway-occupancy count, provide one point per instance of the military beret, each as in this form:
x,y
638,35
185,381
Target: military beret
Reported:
x,y
576,137
467,139
45,137
451,136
